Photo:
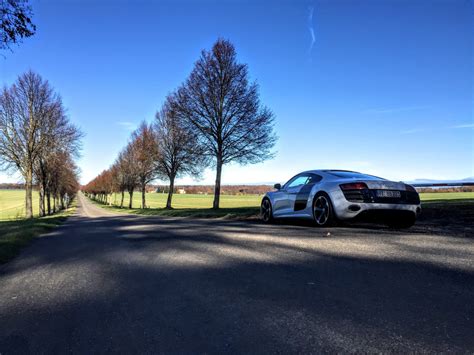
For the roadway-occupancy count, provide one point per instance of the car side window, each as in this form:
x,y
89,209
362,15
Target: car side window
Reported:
x,y
313,179
297,181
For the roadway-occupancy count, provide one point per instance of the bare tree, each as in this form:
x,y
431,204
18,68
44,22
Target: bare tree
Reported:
x,y
129,166
179,148
63,181
126,174
60,140
26,110
145,148
119,178
218,101
15,22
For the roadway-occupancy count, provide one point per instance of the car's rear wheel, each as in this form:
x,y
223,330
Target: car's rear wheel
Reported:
x,y
266,210
323,212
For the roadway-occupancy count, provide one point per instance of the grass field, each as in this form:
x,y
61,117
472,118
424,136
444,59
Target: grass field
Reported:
x,y
158,200
235,206
12,204
446,196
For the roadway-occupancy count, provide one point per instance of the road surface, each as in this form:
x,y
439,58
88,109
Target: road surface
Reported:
x,y
132,284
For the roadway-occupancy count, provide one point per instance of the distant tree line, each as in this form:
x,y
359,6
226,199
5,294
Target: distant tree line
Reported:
x,y
13,186
214,118
38,141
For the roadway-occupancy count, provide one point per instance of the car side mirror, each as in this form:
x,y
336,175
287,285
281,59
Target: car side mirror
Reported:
x,y
277,186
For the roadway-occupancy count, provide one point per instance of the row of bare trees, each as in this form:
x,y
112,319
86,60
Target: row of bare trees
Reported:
x,y
214,118
162,150
38,141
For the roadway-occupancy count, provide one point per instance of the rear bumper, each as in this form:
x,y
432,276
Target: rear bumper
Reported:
x,y
348,210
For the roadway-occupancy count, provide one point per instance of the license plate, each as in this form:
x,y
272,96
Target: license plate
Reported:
x,y
388,194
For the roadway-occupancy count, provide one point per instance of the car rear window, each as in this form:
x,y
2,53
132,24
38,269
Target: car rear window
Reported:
x,y
352,175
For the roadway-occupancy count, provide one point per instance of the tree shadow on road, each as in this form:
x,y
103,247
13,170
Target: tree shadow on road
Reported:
x,y
130,284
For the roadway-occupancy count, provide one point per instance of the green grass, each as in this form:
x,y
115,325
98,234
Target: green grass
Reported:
x,y
15,234
12,204
446,196
191,205
197,212
158,200
238,206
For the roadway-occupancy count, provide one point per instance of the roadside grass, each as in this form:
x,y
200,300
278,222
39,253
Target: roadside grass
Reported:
x,y
15,234
224,212
246,206
158,200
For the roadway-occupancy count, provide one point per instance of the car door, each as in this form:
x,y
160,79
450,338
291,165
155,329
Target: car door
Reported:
x,y
304,193
285,199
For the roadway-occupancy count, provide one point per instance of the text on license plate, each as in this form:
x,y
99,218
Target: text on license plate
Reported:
x,y
388,194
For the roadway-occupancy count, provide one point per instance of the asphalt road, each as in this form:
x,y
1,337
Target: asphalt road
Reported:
x,y
132,284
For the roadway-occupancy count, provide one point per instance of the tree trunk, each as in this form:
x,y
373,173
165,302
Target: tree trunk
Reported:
x,y
217,187
170,193
29,193
131,199
41,200
123,195
48,199
143,196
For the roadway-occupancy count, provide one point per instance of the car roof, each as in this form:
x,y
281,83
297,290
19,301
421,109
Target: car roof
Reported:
x,y
323,171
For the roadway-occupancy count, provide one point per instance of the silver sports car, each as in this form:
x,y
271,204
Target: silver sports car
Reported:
x,y
326,196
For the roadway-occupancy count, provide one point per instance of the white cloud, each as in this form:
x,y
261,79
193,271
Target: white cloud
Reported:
x,y
127,125
414,130
395,109
311,28
466,125
426,129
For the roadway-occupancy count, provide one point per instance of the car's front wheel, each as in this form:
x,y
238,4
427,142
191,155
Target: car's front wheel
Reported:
x,y
323,213
266,210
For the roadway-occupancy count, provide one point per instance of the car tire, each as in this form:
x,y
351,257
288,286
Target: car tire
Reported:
x,y
401,222
323,211
266,211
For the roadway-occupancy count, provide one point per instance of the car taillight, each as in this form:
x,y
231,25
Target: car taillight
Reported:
x,y
410,188
354,186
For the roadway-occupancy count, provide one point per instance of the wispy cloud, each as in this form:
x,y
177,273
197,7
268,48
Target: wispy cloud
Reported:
x,y
396,109
437,128
311,29
127,125
414,130
464,125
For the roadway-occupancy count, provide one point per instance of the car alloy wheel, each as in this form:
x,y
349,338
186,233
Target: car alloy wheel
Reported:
x,y
321,210
266,210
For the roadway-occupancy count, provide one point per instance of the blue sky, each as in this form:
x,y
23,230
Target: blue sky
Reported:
x,y
386,88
